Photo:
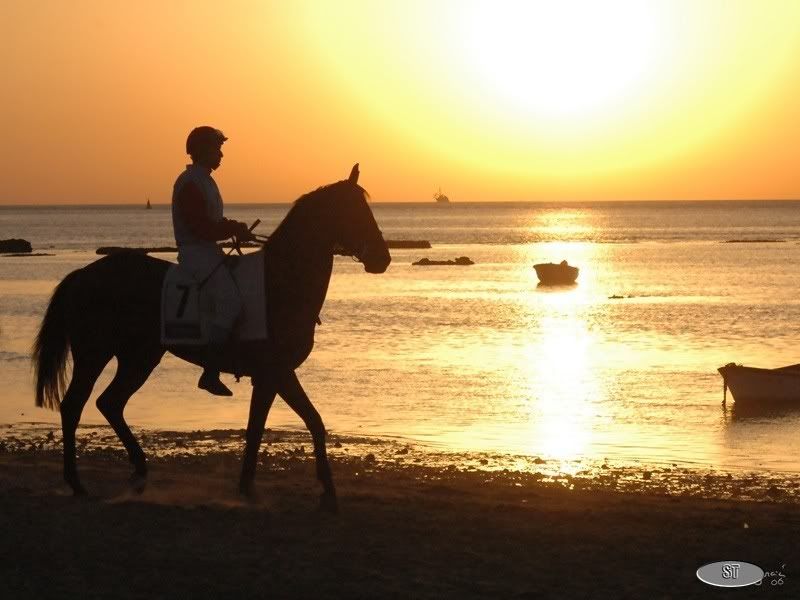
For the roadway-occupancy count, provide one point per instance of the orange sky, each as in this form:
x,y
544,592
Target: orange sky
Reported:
x,y
672,99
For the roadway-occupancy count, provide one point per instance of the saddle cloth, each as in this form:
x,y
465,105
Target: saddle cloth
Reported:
x,y
186,310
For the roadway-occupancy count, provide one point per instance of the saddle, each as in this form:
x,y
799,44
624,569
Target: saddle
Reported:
x,y
187,307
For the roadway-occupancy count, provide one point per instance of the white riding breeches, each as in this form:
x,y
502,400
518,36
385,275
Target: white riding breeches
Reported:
x,y
202,260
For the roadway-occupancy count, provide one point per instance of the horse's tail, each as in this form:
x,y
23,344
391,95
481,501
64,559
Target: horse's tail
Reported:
x,y
51,347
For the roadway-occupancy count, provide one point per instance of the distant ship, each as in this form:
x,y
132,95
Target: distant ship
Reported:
x,y
440,197
148,207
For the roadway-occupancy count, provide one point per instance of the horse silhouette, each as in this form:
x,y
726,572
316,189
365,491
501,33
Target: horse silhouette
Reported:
x,y
111,308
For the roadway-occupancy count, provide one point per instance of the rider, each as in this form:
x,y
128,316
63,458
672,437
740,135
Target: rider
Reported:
x,y
198,224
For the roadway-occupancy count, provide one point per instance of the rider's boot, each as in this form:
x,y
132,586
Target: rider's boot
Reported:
x,y
209,380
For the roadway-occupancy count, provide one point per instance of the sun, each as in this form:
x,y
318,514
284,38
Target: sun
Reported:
x,y
566,59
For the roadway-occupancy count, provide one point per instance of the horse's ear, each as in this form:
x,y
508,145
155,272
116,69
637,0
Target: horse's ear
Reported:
x,y
353,174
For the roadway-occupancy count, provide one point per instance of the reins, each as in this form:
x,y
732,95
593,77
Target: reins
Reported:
x,y
236,246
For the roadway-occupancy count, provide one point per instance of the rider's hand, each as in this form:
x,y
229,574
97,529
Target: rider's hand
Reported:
x,y
243,233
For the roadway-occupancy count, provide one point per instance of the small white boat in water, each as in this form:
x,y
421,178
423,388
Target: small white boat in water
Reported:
x,y
754,385
556,274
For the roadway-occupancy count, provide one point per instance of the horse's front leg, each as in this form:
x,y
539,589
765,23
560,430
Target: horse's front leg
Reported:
x,y
293,394
260,402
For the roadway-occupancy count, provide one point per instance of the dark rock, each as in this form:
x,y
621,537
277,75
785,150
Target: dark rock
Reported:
x,y
427,262
15,245
146,250
408,243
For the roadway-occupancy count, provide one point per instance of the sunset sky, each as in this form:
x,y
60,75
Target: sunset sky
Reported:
x,y
566,100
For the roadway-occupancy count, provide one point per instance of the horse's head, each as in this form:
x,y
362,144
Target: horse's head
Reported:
x,y
336,217
355,231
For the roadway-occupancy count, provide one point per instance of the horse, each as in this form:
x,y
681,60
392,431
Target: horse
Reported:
x,y
111,309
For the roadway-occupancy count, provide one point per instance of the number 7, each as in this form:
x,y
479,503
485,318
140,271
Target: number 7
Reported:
x,y
182,305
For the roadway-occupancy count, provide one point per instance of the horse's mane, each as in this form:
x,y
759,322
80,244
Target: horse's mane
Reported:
x,y
319,199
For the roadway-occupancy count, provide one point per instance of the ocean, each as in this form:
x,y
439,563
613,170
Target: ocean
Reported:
x,y
619,368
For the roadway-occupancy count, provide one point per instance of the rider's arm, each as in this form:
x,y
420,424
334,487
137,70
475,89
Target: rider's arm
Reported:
x,y
192,207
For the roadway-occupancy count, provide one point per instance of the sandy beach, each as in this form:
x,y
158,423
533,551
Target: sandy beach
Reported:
x,y
410,525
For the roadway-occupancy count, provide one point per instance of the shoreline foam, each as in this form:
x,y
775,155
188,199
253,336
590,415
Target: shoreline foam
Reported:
x,y
420,461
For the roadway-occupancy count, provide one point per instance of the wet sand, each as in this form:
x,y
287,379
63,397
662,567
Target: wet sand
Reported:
x,y
413,523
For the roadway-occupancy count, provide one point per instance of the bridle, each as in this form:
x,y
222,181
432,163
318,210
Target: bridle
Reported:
x,y
357,254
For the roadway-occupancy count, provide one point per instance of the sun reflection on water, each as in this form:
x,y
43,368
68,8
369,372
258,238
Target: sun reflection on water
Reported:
x,y
563,225
560,386
557,359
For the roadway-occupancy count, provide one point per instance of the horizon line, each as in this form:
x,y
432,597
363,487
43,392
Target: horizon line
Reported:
x,y
419,202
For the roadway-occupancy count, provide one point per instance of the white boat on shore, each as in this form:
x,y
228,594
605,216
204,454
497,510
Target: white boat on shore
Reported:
x,y
766,386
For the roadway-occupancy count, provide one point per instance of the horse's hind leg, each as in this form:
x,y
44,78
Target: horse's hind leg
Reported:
x,y
85,372
130,376
295,396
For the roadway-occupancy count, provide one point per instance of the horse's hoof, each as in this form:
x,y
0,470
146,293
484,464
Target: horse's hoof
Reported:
x,y
138,482
248,491
76,487
328,503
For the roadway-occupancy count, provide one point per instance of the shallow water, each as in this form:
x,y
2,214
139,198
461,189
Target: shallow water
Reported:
x,y
478,358
284,449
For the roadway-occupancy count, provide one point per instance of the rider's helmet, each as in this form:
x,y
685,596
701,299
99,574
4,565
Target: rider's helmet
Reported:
x,y
203,136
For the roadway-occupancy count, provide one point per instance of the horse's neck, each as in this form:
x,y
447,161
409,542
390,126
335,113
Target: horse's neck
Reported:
x,y
302,272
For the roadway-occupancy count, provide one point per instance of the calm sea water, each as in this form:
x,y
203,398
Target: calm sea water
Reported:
x,y
479,357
